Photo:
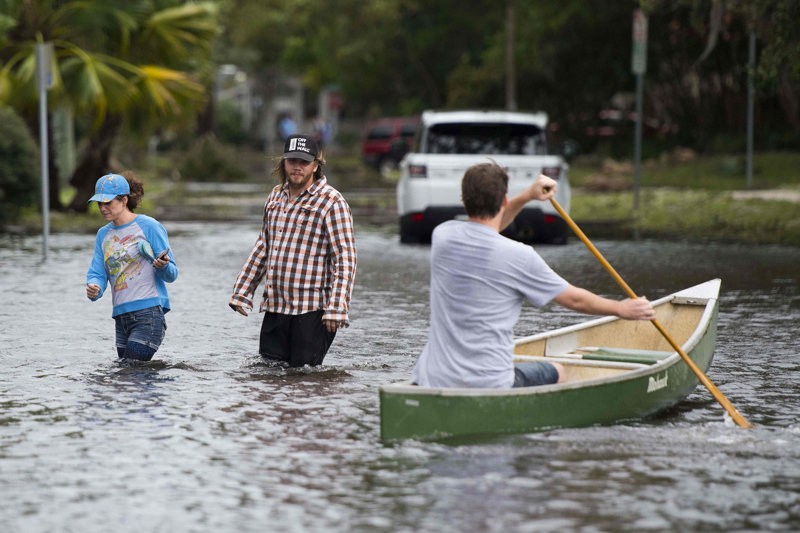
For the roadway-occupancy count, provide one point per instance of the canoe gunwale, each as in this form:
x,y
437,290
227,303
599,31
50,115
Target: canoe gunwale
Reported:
x,y
676,298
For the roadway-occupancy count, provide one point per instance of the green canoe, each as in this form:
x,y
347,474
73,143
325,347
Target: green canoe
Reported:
x,y
617,370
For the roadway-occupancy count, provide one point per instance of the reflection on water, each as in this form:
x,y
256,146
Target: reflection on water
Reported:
x,y
210,437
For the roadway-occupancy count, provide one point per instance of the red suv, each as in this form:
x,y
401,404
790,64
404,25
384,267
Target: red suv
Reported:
x,y
387,140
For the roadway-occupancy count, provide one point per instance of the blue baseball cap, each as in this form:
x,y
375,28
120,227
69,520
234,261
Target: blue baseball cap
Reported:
x,y
109,187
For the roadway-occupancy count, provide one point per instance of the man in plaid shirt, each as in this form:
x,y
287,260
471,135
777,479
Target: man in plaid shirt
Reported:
x,y
306,255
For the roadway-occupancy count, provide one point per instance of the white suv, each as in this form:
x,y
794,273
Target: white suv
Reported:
x,y
449,142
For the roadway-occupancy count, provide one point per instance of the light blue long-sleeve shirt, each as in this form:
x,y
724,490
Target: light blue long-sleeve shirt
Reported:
x,y
135,283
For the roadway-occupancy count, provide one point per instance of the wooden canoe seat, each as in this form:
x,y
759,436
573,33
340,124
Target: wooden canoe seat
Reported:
x,y
622,355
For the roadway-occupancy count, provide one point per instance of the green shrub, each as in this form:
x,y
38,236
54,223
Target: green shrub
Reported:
x,y
19,180
229,124
210,160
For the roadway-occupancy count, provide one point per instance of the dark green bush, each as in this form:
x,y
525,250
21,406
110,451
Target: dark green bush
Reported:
x,y
19,179
210,160
229,124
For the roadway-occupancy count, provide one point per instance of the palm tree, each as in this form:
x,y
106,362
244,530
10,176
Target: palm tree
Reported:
x,y
132,64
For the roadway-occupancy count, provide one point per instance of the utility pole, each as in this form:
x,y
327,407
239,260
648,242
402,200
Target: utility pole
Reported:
x,y
511,76
750,97
639,67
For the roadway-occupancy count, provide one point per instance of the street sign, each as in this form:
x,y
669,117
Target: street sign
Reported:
x,y
639,67
639,55
44,61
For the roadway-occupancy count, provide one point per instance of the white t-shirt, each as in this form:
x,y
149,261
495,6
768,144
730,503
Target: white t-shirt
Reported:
x,y
479,280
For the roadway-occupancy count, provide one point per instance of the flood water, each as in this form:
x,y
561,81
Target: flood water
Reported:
x,y
209,438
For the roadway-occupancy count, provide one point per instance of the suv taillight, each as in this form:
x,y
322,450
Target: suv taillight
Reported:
x,y
417,171
552,172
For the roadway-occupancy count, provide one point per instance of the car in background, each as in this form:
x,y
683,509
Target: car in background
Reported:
x,y
385,141
449,142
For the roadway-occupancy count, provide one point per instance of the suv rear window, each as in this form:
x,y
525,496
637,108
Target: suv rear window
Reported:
x,y
379,133
485,138
408,130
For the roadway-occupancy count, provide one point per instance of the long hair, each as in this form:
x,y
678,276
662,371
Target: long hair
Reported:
x,y
280,169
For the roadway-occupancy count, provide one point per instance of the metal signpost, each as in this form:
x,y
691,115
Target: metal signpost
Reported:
x,y
751,65
639,67
44,80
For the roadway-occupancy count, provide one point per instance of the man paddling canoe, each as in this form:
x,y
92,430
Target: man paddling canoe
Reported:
x,y
479,280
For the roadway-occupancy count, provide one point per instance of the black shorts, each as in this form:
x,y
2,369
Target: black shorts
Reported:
x,y
295,339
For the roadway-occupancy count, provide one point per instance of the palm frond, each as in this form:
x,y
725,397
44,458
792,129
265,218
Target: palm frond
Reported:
x,y
178,33
168,93
18,79
7,23
100,24
98,83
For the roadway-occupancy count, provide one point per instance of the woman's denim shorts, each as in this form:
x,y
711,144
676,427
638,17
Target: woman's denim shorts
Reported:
x,y
145,327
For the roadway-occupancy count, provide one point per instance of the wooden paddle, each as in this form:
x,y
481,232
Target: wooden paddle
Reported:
x,y
737,417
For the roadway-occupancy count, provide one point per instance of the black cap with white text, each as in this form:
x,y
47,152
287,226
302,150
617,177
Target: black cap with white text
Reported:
x,y
300,147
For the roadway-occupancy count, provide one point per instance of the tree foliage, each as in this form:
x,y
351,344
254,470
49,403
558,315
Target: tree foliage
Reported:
x,y
704,46
145,65
387,54
572,57
133,66
18,167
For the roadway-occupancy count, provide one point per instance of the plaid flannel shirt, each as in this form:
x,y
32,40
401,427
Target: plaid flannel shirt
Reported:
x,y
305,252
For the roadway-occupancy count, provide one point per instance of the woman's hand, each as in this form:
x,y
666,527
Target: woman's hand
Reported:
x,y
92,291
162,260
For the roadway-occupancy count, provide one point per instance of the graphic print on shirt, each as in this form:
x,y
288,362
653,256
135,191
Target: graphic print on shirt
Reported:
x,y
122,260
132,277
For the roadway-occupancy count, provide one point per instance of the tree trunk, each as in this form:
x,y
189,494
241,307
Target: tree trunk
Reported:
x,y
54,178
95,162
206,120
789,103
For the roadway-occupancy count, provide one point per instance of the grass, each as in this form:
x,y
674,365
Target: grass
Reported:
x,y
770,170
683,169
694,215
688,197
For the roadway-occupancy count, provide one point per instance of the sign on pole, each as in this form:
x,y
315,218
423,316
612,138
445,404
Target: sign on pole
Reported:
x,y
639,55
639,67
